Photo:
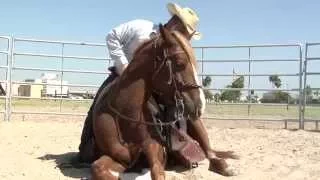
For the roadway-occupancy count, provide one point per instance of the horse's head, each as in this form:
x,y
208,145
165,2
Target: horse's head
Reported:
x,y
176,77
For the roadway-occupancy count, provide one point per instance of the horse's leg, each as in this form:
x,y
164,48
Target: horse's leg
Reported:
x,y
198,131
107,139
156,158
106,168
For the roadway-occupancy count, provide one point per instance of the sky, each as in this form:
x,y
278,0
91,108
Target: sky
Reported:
x,y
227,22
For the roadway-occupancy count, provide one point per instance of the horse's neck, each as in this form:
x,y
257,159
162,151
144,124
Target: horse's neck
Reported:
x,y
134,87
133,93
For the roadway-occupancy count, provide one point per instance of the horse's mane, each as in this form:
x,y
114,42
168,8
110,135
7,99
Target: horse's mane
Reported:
x,y
186,46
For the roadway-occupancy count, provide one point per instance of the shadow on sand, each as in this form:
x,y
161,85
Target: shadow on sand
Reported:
x,y
68,165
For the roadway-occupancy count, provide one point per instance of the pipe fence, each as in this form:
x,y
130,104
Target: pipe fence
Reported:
x,y
311,96
5,81
250,60
17,75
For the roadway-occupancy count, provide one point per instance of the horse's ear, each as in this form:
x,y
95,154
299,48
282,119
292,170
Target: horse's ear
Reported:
x,y
165,34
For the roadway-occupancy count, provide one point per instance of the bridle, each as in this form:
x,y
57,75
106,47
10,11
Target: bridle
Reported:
x,y
164,60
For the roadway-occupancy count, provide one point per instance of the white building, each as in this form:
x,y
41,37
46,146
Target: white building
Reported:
x,y
56,87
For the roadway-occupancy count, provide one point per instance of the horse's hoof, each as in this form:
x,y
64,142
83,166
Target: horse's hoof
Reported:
x,y
220,166
226,154
161,176
228,172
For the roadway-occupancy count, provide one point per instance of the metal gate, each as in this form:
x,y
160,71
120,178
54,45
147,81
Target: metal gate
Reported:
x,y
250,60
13,51
5,67
311,97
60,70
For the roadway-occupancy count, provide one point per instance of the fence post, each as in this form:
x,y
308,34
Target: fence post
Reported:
x,y
202,66
285,124
6,113
9,79
303,72
249,81
61,78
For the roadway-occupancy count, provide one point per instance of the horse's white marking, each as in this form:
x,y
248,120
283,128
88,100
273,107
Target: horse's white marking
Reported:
x,y
114,173
145,175
189,50
202,97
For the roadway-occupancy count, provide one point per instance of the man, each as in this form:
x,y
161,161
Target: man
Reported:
x,y
122,41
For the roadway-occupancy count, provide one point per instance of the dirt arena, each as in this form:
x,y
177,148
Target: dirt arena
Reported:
x,y
33,149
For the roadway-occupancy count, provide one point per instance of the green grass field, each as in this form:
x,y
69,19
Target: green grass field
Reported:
x,y
212,110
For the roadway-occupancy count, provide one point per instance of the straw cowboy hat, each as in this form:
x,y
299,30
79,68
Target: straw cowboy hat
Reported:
x,y
188,16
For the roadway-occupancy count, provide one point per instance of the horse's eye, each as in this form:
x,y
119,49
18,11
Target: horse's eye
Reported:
x,y
180,66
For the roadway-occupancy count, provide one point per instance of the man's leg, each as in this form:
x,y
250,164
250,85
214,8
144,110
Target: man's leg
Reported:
x,y
86,147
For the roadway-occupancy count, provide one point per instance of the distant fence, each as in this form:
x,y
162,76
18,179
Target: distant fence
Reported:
x,y
12,103
5,66
251,60
308,59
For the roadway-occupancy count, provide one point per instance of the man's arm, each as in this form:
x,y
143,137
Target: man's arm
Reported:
x,y
116,51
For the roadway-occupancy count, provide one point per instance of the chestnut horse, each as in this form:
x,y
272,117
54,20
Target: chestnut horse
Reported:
x,y
122,123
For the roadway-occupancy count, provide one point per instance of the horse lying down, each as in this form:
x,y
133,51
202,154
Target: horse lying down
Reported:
x,y
125,133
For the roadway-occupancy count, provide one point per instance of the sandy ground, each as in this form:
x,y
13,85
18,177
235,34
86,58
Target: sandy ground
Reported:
x,y
33,149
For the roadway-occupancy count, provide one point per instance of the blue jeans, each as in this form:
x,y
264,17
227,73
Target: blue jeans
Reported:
x,y
87,142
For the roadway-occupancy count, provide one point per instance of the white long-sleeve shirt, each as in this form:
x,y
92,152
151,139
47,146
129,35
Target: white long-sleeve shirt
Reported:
x,y
123,40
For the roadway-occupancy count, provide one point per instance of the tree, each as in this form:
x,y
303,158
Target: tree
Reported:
x,y
217,97
276,97
308,94
308,90
233,95
275,80
207,93
238,83
207,81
